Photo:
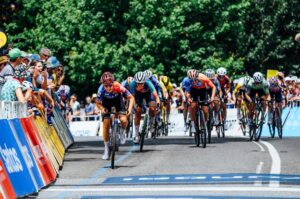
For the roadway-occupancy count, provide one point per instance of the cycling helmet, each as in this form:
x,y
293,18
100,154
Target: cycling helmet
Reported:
x,y
273,81
107,78
27,85
298,81
192,74
148,73
258,77
221,71
174,85
140,77
165,80
129,80
64,89
210,73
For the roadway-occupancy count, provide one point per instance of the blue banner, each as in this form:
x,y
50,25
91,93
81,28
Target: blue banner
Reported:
x,y
27,153
291,126
11,156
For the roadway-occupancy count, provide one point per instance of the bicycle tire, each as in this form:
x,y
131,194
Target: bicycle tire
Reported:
x,y
143,133
278,123
210,124
203,129
197,133
259,124
114,145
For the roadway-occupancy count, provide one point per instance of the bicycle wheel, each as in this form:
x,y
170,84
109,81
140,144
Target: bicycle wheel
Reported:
x,y
166,125
203,129
278,122
143,133
259,124
210,125
197,133
114,144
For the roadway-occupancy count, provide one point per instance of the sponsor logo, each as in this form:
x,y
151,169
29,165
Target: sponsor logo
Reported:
x,y
11,159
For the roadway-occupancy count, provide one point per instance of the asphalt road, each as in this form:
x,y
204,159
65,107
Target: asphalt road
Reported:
x,y
173,167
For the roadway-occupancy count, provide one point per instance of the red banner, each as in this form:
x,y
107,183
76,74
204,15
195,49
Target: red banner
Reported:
x,y
6,189
38,149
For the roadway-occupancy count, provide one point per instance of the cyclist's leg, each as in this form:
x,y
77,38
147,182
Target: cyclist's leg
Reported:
x,y
152,110
239,105
192,108
106,126
138,115
120,107
168,108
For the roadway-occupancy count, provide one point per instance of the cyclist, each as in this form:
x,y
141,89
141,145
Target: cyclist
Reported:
x,y
110,94
276,93
210,73
238,93
257,86
225,87
196,87
142,89
126,83
185,104
165,80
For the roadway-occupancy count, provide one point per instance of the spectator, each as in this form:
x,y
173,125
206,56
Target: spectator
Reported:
x,y
75,108
89,108
12,89
14,61
45,53
3,61
39,76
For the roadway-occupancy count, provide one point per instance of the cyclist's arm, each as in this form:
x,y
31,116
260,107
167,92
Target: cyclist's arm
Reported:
x,y
153,91
211,85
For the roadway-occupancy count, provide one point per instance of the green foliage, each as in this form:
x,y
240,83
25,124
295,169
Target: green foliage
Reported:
x,y
169,36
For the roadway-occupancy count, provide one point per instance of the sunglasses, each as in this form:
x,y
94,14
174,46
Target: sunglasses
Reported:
x,y
107,85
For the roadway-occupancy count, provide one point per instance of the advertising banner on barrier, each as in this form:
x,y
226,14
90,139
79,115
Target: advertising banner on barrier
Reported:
x,y
55,138
84,128
62,123
45,144
17,129
6,188
42,126
20,176
40,154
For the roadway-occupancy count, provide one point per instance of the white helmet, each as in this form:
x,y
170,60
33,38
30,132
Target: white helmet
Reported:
x,y
27,85
258,77
221,71
192,73
148,73
210,73
298,81
140,77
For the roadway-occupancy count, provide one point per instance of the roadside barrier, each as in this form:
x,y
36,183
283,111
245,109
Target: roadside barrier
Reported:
x,y
31,150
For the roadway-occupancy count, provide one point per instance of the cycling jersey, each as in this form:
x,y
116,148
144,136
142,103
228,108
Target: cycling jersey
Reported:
x,y
126,85
182,83
148,86
201,83
169,86
117,89
156,85
241,85
224,82
276,92
260,89
217,85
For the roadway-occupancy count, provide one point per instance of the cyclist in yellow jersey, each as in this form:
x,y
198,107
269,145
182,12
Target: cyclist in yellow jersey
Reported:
x,y
165,80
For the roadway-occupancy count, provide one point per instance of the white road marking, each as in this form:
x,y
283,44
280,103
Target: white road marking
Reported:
x,y
162,178
182,178
258,171
216,177
175,189
260,146
252,177
127,179
276,162
145,178
198,178
237,177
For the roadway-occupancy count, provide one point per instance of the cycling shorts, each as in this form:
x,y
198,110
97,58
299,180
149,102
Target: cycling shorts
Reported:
x,y
117,102
140,97
200,94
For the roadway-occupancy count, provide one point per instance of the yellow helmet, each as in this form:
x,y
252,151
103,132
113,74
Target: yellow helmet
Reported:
x,y
165,80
